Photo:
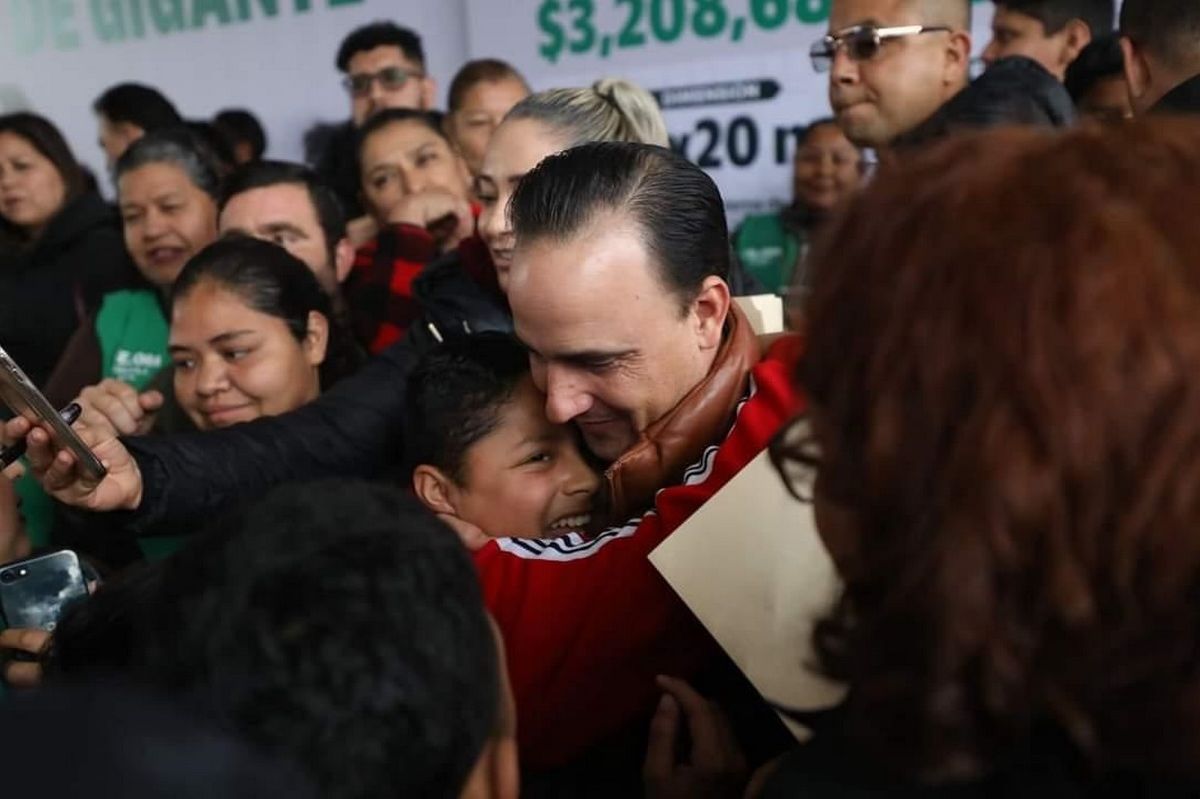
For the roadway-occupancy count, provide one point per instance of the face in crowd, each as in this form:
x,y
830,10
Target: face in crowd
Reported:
x,y
235,364
285,215
1014,33
116,137
405,158
32,191
484,106
879,98
827,168
516,148
384,77
167,219
526,478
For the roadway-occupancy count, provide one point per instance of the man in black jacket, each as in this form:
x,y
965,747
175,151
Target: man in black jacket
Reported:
x,y
1161,42
898,75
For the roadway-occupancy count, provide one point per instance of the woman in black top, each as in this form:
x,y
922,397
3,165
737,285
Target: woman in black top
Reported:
x,y
60,244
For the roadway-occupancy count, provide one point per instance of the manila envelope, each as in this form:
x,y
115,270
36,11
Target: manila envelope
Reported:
x,y
752,568
765,312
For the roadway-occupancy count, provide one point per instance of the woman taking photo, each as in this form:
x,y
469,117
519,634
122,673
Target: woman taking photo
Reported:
x,y
60,244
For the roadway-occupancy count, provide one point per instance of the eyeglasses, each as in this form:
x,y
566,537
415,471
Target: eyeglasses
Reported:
x,y
391,79
861,42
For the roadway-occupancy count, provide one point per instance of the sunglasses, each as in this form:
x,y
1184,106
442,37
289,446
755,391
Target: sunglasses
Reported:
x,y
861,42
391,79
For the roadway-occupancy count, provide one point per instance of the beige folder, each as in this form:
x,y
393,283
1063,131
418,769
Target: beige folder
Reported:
x,y
752,568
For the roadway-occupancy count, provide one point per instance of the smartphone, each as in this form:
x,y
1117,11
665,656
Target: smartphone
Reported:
x,y
34,592
22,397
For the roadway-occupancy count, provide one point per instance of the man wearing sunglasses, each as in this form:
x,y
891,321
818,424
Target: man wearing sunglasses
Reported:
x,y
893,63
382,66
898,75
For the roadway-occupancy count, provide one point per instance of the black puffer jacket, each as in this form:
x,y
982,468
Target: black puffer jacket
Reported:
x,y
47,289
1013,91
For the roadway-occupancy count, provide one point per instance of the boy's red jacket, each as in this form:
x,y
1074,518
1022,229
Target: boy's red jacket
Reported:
x,y
588,624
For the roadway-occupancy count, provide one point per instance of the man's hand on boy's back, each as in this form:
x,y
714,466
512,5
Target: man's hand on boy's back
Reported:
x,y
59,473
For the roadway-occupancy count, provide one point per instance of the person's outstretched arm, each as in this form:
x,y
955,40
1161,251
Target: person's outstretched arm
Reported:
x,y
354,429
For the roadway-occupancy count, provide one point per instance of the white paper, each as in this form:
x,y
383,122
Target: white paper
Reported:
x,y
765,312
752,568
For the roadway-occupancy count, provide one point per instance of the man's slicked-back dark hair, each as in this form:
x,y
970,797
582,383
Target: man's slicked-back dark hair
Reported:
x,y
1055,14
340,623
1169,29
265,174
380,34
676,205
1101,59
139,105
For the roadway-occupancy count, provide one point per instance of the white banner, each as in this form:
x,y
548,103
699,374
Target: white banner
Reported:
x,y
275,57
733,76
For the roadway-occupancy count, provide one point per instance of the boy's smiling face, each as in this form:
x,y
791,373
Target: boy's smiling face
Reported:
x,y
526,478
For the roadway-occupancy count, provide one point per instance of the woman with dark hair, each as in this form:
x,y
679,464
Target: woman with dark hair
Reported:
x,y
1006,442
168,183
60,244
481,95
252,334
826,169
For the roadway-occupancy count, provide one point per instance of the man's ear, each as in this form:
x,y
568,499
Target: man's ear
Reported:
x,y
343,260
429,93
710,310
1137,73
435,490
1078,36
958,58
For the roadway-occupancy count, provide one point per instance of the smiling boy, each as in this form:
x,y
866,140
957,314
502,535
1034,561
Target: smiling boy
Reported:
x,y
482,449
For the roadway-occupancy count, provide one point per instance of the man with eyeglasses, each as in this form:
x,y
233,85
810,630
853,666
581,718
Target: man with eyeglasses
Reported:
x,y
898,75
383,66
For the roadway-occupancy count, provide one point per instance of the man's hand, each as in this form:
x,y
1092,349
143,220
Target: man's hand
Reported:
x,y
446,217
714,769
117,407
17,673
58,470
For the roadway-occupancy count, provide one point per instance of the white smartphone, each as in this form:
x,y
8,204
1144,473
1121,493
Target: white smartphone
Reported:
x,y
22,397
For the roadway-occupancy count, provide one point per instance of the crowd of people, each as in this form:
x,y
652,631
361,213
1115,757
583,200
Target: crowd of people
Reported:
x,y
389,438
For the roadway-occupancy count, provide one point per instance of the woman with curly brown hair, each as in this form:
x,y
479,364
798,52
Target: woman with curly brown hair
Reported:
x,y
1004,370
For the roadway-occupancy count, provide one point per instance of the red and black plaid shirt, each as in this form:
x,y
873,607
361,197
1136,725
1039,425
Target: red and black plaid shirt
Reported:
x,y
379,290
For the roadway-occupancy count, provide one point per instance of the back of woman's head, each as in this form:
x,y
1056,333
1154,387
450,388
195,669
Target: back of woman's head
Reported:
x,y
610,109
274,282
180,147
1003,360
43,136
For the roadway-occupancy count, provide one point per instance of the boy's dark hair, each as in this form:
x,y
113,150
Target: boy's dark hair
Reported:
x,y
139,105
482,70
1055,14
264,174
274,282
1169,29
380,34
1101,59
338,623
239,125
181,147
676,205
455,396
125,741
